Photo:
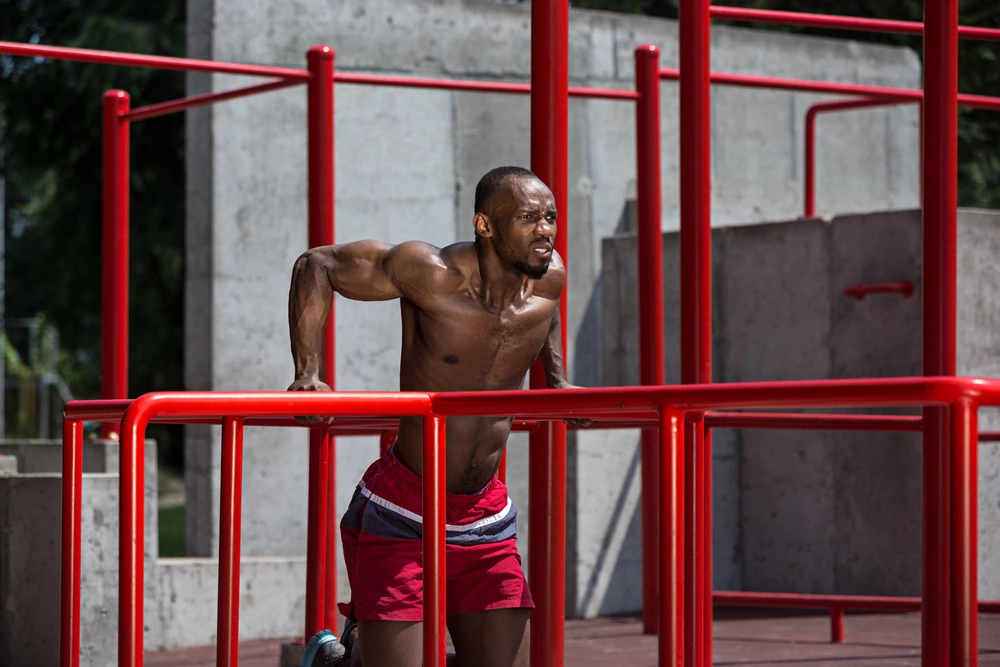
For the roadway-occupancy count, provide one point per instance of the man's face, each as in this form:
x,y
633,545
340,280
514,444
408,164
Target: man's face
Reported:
x,y
524,217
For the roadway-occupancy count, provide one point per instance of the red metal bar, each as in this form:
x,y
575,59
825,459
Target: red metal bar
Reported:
x,y
318,543
131,539
860,291
843,602
963,561
841,22
502,469
651,336
940,213
231,508
836,625
320,61
183,104
69,601
694,611
435,582
834,422
474,86
706,544
808,86
810,140
547,445
671,515
142,60
114,263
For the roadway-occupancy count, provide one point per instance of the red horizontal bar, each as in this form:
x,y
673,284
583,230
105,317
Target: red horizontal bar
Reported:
x,y
473,86
808,86
142,60
859,103
183,104
760,420
809,601
860,291
840,22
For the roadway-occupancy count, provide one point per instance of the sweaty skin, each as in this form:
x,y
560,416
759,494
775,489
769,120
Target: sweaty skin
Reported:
x,y
475,316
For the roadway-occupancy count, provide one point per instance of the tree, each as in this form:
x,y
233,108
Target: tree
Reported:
x,y
50,138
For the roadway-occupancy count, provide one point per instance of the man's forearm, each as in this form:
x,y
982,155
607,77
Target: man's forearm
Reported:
x,y
309,300
552,354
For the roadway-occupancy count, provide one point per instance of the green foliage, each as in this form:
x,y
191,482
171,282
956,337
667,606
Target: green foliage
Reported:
x,y
979,73
50,139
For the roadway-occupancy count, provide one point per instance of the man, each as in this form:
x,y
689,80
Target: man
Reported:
x,y
475,317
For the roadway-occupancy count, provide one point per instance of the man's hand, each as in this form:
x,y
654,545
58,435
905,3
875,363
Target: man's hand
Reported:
x,y
572,421
311,383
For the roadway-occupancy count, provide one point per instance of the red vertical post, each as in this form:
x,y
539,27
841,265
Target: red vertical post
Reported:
x,y
231,510
435,590
671,515
502,470
836,625
321,556
940,217
695,232
964,564
705,635
547,445
694,567
114,252
69,602
809,207
651,335
131,540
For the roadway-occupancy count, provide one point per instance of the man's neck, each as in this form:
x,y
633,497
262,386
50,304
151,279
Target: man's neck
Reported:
x,y
499,285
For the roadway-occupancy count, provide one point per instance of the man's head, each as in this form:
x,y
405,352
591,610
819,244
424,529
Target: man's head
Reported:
x,y
516,216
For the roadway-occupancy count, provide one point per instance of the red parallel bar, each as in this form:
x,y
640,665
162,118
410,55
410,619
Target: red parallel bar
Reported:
x,y
69,601
964,556
650,244
114,253
706,544
228,636
841,22
859,292
814,422
474,86
323,560
843,602
142,60
183,104
547,445
434,514
670,641
210,404
807,86
940,179
810,132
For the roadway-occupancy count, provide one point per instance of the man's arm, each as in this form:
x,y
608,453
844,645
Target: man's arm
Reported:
x,y
363,271
552,354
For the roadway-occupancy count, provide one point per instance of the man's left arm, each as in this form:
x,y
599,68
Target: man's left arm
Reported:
x,y
552,355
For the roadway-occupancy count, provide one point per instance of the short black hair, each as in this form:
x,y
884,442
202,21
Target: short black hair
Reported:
x,y
491,182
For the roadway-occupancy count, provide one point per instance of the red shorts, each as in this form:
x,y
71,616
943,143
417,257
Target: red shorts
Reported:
x,y
382,533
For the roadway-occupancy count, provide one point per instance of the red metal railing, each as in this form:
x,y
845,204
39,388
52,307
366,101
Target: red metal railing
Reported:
x,y
682,409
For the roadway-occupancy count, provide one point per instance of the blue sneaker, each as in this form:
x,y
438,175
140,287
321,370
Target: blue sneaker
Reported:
x,y
324,650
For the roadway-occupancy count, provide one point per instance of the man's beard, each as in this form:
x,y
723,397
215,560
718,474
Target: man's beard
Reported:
x,y
533,272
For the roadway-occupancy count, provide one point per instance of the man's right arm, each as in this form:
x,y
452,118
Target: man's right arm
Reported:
x,y
363,271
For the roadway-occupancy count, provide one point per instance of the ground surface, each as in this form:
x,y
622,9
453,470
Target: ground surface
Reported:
x,y
746,639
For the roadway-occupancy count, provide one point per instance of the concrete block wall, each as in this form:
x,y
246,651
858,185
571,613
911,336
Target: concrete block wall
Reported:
x,y
408,162
807,511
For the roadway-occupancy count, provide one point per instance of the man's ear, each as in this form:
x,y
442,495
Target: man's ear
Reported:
x,y
482,225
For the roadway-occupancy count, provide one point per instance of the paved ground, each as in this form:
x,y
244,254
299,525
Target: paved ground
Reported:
x,y
744,639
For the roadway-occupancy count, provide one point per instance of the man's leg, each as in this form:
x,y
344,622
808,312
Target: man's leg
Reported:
x,y
389,643
496,638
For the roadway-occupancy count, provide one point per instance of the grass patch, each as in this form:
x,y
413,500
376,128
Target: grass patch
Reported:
x,y
172,532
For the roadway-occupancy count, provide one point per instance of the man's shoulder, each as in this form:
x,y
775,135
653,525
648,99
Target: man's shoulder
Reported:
x,y
430,268
552,283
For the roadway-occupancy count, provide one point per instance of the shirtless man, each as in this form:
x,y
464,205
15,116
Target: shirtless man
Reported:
x,y
475,317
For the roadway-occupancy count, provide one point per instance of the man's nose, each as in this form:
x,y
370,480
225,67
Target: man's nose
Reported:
x,y
545,228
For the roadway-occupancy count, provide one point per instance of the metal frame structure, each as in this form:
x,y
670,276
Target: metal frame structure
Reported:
x,y
677,461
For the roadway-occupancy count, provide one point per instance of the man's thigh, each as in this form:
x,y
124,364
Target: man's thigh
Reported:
x,y
496,638
390,643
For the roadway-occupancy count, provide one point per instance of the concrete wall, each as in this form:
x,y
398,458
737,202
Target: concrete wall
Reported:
x,y
408,162
821,512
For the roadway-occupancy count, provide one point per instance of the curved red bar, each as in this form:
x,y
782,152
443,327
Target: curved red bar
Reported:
x,y
860,291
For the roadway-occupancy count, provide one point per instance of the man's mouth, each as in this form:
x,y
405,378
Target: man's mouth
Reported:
x,y
542,251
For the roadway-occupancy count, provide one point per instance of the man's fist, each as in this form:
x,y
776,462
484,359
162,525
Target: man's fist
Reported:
x,y
310,383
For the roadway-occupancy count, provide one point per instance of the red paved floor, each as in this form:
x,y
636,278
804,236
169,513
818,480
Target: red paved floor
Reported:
x,y
745,639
